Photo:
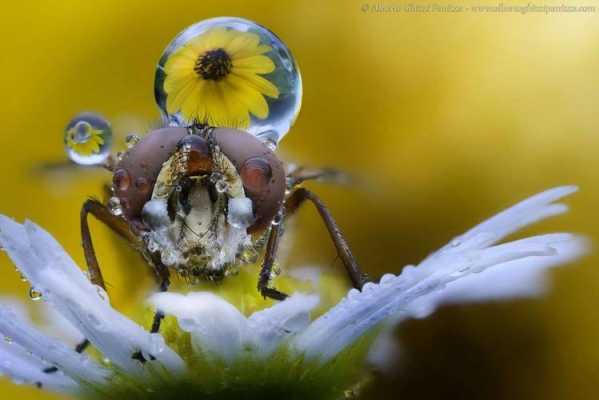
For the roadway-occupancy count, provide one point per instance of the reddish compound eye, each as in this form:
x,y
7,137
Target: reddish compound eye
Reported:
x,y
199,160
256,174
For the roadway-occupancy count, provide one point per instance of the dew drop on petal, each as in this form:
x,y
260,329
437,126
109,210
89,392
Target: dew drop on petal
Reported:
x,y
157,344
248,61
87,138
34,294
387,278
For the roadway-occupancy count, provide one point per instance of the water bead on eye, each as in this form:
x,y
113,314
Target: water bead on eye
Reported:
x,y
229,73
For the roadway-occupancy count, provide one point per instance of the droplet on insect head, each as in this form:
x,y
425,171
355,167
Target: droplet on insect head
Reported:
x,y
231,73
221,186
34,294
87,139
131,140
240,213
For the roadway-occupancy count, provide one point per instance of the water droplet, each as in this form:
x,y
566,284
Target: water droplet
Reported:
x,y
131,140
208,42
240,212
221,186
277,219
114,204
353,293
34,294
8,339
102,293
121,179
157,344
87,139
455,242
23,278
369,287
142,184
387,278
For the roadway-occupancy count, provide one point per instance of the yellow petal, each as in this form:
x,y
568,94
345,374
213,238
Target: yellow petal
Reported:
x,y
259,83
243,41
176,98
189,104
237,110
256,64
249,96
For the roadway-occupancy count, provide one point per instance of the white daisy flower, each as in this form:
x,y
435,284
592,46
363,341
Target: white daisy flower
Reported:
x,y
214,349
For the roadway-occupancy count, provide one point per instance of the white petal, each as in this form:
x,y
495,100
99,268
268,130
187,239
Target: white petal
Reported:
x,y
21,367
407,294
515,279
217,328
51,271
286,318
52,351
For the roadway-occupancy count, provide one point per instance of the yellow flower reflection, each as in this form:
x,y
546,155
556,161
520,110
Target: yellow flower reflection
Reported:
x,y
215,79
83,139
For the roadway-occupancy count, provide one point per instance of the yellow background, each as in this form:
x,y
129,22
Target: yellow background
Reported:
x,y
451,117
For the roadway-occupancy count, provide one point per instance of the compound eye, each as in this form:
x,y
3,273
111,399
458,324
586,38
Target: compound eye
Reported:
x,y
197,150
256,174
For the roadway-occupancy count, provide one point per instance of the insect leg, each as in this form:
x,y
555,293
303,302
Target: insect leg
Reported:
x,y
163,277
270,255
101,212
118,225
297,198
302,174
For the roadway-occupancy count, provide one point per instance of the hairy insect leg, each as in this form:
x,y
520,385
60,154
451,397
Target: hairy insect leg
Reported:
x,y
163,277
302,174
296,199
116,224
270,255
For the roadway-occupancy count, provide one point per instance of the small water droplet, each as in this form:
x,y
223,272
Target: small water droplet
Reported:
x,y
121,179
387,278
102,293
353,293
131,140
455,242
142,184
221,186
87,139
8,339
369,287
114,204
277,219
23,278
157,344
34,294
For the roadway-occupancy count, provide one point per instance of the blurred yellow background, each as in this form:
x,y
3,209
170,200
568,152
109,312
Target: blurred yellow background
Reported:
x,y
452,116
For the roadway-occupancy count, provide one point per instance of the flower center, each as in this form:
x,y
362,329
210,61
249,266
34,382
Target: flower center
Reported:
x,y
213,65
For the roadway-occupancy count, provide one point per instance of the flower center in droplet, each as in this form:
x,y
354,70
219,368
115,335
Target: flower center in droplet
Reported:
x,y
213,65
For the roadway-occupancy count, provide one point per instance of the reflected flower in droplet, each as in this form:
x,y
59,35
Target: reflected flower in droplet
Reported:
x,y
87,138
229,72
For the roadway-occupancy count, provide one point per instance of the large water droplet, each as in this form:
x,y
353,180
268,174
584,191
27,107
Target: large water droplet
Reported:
x,y
240,59
87,139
